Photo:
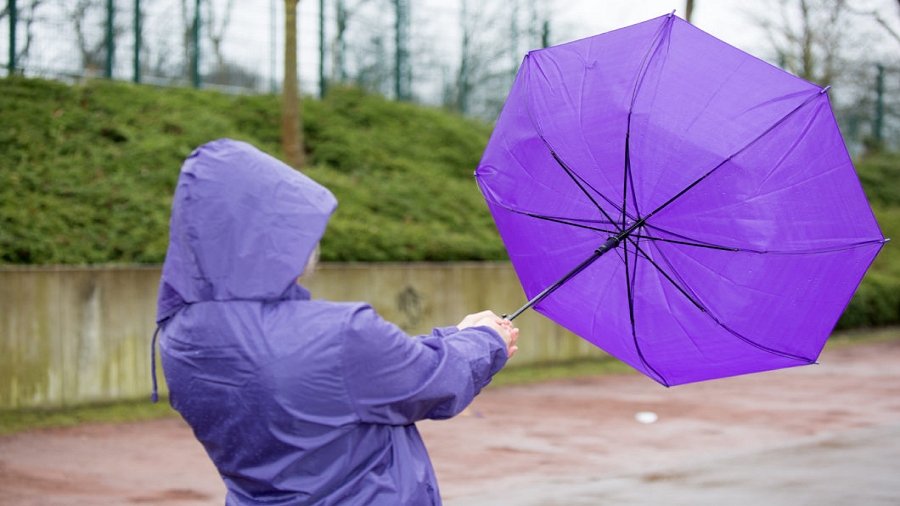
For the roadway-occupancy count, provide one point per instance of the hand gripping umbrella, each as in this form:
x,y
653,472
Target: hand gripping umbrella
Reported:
x,y
686,207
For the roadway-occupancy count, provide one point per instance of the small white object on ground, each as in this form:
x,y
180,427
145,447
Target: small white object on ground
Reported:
x,y
646,417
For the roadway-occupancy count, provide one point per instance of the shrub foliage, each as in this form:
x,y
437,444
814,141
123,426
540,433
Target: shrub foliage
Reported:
x,y
87,174
89,171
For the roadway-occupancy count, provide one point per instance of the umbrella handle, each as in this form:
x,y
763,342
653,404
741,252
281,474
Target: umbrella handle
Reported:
x,y
610,243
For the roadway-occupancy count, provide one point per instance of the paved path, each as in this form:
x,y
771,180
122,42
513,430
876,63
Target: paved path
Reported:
x,y
820,435
859,467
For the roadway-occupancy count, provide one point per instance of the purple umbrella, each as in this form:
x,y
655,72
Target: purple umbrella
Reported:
x,y
686,207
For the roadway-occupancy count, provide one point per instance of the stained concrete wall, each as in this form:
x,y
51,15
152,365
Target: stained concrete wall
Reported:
x,y
71,336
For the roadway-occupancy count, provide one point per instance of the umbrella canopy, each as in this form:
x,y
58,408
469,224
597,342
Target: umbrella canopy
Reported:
x,y
683,205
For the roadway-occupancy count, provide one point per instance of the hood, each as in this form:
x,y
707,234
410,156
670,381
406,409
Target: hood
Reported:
x,y
243,226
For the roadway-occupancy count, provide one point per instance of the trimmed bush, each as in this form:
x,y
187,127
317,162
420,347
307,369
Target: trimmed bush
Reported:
x,y
89,170
87,174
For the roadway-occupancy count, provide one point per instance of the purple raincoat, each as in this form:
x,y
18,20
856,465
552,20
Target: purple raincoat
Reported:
x,y
296,401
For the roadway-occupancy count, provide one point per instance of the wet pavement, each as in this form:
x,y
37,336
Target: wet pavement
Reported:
x,y
827,434
859,467
823,435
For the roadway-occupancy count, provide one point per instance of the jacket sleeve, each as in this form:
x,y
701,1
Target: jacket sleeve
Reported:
x,y
398,380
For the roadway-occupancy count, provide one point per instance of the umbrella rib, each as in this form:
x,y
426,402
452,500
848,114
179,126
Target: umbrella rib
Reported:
x,y
766,349
608,200
739,151
687,241
572,222
563,165
654,46
630,279
628,176
566,221
666,275
718,322
833,249
577,180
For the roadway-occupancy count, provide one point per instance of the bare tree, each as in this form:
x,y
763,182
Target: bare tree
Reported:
x,y
291,132
343,14
88,18
485,71
883,20
829,43
374,71
188,19
216,23
369,51
528,29
810,37
882,103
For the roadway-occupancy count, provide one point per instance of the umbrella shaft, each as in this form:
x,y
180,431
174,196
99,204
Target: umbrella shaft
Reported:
x,y
610,243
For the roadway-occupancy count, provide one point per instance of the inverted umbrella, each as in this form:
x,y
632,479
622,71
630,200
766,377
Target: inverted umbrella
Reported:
x,y
683,205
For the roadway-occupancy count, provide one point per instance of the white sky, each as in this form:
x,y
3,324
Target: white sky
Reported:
x,y
573,19
729,20
722,18
255,34
718,17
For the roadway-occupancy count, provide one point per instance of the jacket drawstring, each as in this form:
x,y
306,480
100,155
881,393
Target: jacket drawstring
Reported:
x,y
154,397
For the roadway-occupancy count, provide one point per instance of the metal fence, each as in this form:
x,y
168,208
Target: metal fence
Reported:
x,y
173,42
389,46
415,51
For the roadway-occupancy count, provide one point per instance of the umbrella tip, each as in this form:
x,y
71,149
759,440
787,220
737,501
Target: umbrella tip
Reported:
x,y
825,89
672,13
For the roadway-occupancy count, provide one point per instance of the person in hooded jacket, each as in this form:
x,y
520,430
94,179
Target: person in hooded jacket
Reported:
x,y
298,401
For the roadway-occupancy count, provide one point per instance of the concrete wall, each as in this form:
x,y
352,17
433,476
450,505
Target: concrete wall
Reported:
x,y
71,336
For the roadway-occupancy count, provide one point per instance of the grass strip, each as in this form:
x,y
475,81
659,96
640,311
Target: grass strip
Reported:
x,y
12,421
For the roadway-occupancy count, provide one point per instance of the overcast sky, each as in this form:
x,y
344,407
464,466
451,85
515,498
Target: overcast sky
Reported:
x,y
254,38
718,17
729,20
573,19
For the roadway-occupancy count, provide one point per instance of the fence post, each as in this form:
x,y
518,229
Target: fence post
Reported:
x,y
12,36
879,104
110,43
137,41
322,82
273,47
195,64
401,47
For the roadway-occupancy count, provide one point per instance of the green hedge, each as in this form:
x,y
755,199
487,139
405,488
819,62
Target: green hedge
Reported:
x,y
875,304
88,171
877,300
87,174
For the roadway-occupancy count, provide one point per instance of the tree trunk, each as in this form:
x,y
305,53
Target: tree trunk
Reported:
x,y
291,133
688,10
